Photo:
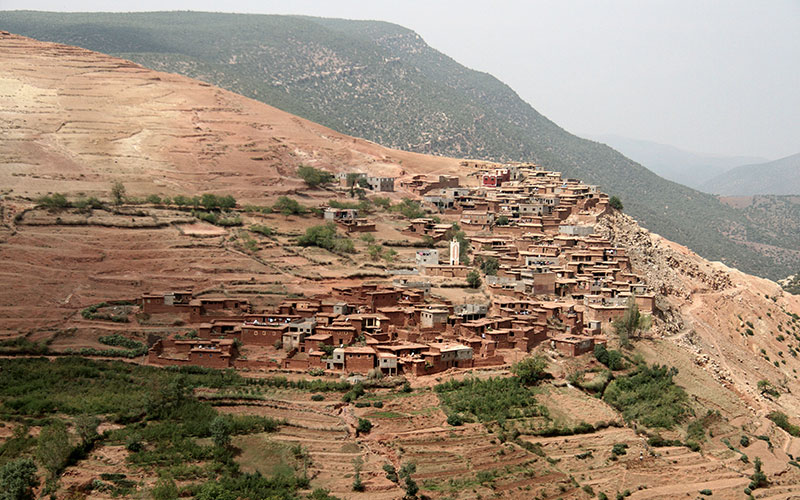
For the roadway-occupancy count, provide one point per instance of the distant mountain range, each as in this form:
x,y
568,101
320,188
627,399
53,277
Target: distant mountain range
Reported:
x,y
677,165
382,82
779,177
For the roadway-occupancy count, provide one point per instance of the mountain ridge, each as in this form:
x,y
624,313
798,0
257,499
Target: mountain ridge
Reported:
x,y
780,177
684,167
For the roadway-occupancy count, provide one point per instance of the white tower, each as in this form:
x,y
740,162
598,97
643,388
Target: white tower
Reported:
x,y
455,248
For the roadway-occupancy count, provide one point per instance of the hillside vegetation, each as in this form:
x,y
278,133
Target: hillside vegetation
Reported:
x,y
383,82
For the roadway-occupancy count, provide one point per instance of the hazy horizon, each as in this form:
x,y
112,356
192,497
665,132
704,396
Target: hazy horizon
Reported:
x,y
710,77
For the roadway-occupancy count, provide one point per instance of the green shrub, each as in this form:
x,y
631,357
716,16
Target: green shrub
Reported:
x,y
317,397
18,480
377,404
325,236
314,177
619,449
55,201
364,426
782,421
611,358
658,442
261,229
454,419
391,472
409,208
615,203
118,340
706,492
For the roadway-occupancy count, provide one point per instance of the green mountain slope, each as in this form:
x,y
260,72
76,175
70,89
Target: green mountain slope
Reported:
x,y
779,177
383,82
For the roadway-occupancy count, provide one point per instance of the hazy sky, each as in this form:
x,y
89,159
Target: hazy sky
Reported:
x,y
707,76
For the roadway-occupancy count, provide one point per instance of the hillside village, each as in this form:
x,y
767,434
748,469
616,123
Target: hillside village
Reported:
x,y
358,322
551,279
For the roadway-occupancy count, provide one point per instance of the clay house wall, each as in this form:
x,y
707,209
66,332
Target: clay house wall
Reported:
x,y
359,359
316,341
396,316
383,298
263,335
339,334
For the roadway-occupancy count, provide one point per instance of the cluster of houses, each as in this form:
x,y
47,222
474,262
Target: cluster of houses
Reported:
x,y
550,277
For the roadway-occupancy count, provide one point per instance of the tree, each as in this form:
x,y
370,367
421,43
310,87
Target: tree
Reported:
x,y
502,221
52,451
221,432
758,479
314,177
615,203
474,279
352,178
358,462
490,265
405,473
631,324
18,479
530,370
86,427
117,192
288,206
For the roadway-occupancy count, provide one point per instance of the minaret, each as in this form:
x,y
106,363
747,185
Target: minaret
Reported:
x,y
455,248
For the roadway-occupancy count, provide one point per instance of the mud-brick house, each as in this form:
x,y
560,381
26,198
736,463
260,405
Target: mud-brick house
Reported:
x,y
294,337
217,356
447,271
602,309
395,316
427,257
352,359
433,318
220,328
572,345
361,225
340,333
224,307
387,362
218,353
340,214
383,184
170,302
383,298
437,358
